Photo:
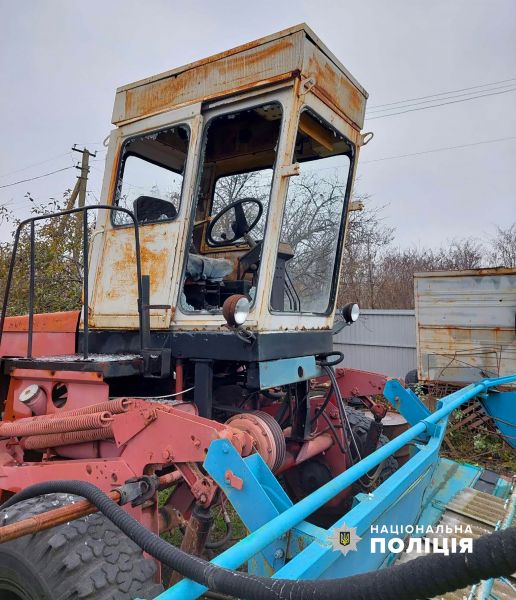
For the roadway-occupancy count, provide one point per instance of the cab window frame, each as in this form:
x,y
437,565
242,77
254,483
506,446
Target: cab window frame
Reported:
x,y
123,156
342,223
199,166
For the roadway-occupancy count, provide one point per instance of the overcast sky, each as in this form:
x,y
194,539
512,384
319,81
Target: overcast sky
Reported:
x,y
61,61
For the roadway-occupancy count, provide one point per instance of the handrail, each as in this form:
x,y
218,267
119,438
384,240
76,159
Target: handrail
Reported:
x,y
249,546
85,251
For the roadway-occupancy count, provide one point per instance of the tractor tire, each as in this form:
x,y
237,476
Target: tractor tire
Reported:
x,y
360,425
412,383
88,558
411,378
326,516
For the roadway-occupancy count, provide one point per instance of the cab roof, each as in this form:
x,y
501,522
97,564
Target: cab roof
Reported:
x,y
290,53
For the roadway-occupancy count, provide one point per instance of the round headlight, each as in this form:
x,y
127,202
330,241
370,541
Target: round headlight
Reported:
x,y
236,310
351,312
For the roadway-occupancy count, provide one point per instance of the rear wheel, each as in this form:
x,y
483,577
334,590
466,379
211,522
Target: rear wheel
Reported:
x,y
411,378
87,558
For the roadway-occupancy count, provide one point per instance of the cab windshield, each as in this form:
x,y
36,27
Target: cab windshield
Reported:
x,y
311,236
232,205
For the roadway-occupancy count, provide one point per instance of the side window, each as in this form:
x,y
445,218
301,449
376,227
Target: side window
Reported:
x,y
151,176
309,251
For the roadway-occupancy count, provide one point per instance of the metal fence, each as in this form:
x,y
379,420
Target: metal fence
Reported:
x,y
383,341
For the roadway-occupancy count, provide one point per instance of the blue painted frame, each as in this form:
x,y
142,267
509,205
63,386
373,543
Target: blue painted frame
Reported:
x,y
278,529
274,373
501,406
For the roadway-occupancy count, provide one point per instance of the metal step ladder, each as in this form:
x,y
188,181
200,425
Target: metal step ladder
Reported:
x,y
483,513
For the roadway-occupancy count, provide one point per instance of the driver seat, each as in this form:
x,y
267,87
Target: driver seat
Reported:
x,y
211,269
147,209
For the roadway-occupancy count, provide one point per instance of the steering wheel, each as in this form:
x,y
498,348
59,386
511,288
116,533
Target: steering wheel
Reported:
x,y
240,226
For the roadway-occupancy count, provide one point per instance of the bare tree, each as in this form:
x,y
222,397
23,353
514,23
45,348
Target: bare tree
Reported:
x,y
397,268
503,247
311,220
460,254
231,188
378,275
367,241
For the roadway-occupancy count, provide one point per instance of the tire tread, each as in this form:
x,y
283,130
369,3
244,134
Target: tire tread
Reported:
x,y
83,559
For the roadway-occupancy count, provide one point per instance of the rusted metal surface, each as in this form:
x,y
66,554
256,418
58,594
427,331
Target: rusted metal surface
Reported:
x,y
279,66
145,438
54,333
280,56
196,534
53,440
334,87
169,518
113,289
465,324
44,425
83,389
179,386
64,514
50,519
353,382
202,487
115,293
59,322
314,447
115,406
169,479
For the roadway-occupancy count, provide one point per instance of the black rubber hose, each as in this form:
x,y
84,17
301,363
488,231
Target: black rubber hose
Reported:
x,y
322,408
343,414
494,555
322,359
216,544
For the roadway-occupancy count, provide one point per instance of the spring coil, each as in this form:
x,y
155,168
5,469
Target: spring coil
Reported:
x,y
115,407
44,425
37,442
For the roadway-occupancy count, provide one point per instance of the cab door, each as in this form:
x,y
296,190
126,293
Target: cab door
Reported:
x,y
149,171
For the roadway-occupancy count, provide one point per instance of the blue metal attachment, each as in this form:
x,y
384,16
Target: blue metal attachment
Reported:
x,y
501,406
255,494
274,373
405,401
412,495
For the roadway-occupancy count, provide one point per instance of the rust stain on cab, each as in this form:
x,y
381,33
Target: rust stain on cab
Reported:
x,y
213,79
337,91
153,264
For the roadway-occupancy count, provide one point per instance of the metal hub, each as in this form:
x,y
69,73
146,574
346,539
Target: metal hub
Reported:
x,y
266,433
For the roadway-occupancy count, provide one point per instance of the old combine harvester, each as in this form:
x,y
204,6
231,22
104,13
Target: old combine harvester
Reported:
x,y
201,363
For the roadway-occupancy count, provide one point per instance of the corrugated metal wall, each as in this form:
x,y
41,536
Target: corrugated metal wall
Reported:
x,y
383,341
